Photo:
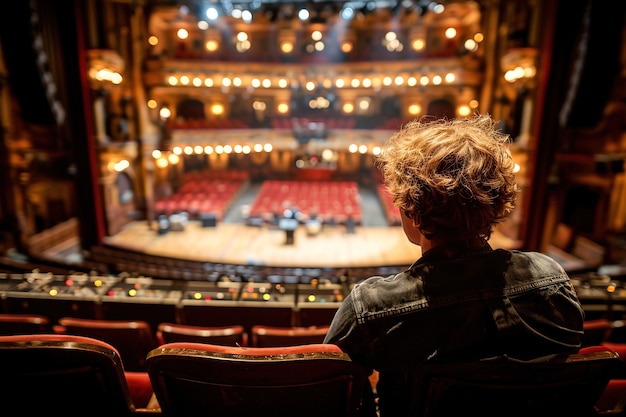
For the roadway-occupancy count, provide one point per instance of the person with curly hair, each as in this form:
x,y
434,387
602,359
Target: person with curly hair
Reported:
x,y
453,181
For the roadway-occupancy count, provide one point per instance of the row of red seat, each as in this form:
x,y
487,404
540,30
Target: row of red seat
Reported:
x,y
197,197
69,375
74,375
330,201
135,338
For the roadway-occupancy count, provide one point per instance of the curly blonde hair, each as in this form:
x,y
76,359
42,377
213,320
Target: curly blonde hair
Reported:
x,y
455,176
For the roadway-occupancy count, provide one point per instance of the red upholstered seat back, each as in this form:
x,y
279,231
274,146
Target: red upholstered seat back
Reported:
x,y
132,338
303,380
234,335
49,374
564,385
268,336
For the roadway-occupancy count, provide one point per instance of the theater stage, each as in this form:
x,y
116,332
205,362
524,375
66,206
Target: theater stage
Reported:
x,y
240,244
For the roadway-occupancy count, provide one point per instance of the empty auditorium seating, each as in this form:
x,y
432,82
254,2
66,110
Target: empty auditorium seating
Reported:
x,y
203,193
332,201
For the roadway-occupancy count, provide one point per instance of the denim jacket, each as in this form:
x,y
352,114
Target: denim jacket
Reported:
x,y
476,303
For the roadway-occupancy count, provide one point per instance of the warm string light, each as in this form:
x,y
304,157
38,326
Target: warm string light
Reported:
x,y
164,158
324,93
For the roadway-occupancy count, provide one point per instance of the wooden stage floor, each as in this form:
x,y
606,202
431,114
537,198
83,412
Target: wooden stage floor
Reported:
x,y
235,243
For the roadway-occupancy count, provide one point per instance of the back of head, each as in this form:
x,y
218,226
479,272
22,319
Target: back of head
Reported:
x,y
456,177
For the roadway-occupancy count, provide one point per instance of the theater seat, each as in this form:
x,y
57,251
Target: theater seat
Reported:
x,y
222,335
596,331
61,375
561,385
619,348
613,399
132,338
193,379
269,336
14,324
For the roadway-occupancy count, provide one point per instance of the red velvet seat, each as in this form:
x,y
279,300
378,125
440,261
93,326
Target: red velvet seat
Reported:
x,y
561,385
269,336
234,335
613,399
132,338
14,324
596,331
193,379
51,374
620,348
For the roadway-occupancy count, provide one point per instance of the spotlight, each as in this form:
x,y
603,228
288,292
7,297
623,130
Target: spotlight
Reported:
x,y
212,13
303,14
